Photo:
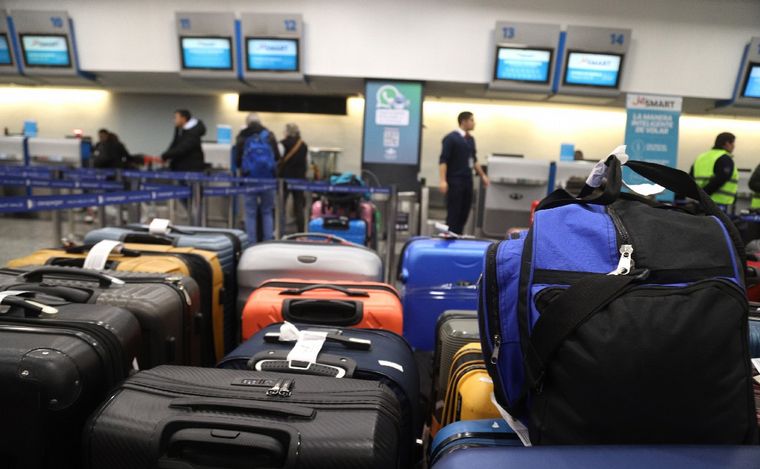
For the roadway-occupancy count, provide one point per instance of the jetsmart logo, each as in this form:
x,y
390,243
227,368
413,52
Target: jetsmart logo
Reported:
x,y
45,43
654,102
596,62
273,47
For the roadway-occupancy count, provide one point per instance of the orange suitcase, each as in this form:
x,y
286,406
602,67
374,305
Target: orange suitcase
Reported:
x,y
370,305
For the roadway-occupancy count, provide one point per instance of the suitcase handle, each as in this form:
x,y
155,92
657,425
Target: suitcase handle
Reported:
x,y
336,223
85,248
333,366
147,238
217,436
352,343
324,236
104,281
288,410
173,229
326,286
28,305
70,294
325,312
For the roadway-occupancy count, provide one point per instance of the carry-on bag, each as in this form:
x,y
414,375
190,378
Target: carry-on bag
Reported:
x,y
423,307
183,417
365,212
370,305
601,323
371,354
167,306
58,361
354,231
472,434
455,329
306,255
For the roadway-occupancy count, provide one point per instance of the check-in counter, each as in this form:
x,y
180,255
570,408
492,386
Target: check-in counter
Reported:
x,y
12,150
56,152
569,169
743,193
218,155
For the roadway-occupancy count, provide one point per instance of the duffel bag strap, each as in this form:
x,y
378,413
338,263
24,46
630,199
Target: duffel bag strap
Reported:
x,y
564,316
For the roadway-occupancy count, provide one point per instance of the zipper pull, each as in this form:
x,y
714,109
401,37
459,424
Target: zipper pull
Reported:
x,y
177,281
275,390
625,264
287,389
496,347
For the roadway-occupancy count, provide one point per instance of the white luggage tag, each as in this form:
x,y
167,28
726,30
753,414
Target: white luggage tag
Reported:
x,y
599,173
159,226
520,429
98,256
307,347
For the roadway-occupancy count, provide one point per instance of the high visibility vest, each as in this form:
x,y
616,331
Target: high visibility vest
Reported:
x,y
755,200
704,170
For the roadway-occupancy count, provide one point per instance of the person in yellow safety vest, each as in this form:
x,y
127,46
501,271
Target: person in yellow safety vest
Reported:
x,y
715,171
754,184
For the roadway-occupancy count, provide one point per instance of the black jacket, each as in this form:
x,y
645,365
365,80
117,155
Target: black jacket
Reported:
x,y
295,167
754,180
111,154
185,153
253,129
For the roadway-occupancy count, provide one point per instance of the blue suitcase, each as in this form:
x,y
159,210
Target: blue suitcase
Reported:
x,y
354,231
472,433
371,354
437,275
754,337
606,457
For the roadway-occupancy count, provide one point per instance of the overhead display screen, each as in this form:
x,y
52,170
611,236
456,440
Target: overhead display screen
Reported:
x,y
590,69
5,51
752,83
206,53
528,65
46,50
272,55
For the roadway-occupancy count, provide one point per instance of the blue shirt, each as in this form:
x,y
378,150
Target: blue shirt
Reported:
x,y
459,154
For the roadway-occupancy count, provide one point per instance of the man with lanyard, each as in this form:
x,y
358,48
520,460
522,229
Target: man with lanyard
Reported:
x,y
716,173
458,159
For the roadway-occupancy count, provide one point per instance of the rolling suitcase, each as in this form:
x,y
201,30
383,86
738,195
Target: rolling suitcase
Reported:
x,y
306,256
352,230
347,353
366,212
472,434
605,457
754,337
58,362
455,329
423,307
369,305
227,246
167,306
184,417
202,266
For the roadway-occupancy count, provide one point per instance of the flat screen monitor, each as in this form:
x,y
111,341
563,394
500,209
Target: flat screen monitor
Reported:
x,y
523,65
46,50
752,82
593,69
272,55
206,53
5,50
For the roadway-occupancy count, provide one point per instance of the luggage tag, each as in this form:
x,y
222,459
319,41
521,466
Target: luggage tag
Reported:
x,y
159,226
520,429
307,347
599,173
98,256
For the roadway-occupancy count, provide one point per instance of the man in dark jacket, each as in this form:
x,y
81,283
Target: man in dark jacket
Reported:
x,y
754,185
185,153
293,166
109,152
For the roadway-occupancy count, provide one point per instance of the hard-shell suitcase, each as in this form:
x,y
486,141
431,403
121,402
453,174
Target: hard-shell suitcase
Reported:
x,y
182,417
370,305
472,434
202,266
753,280
355,231
167,306
347,353
58,361
366,212
227,246
305,255
605,457
423,307
455,329
754,337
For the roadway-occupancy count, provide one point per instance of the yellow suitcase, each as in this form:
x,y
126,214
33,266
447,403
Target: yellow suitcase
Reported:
x,y
202,266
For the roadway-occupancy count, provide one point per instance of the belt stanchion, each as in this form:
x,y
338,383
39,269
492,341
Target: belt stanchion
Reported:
x,y
231,209
196,203
280,215
203,208
56,214
134,209
390,243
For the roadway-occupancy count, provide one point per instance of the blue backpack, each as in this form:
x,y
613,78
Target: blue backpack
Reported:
x,y
258,157
620,320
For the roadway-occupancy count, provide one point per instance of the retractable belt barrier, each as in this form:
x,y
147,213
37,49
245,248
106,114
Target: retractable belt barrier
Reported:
x,y
71,201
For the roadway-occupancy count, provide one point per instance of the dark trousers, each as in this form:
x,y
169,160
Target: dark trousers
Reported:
x,y
458,204
298,209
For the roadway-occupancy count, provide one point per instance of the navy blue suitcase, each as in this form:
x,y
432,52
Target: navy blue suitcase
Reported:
x,y
371,354
354,230
606,457
472,433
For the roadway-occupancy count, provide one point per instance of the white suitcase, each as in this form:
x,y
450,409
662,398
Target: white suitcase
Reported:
x,y
329,260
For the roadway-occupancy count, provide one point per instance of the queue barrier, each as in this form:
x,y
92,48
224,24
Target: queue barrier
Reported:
x,y
74,201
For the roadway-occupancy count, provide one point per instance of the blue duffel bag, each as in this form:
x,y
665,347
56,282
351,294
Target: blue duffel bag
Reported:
x,y
621,320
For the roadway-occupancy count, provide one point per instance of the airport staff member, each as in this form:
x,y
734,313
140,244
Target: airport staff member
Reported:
x,y
715,171
458,158
185,152
754,185
292,165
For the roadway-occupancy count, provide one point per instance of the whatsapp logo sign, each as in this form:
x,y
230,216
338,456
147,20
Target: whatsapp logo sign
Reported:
x,y
389,97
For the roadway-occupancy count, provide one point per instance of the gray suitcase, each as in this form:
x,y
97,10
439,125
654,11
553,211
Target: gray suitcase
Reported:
x,y
166,306
455,329
302,257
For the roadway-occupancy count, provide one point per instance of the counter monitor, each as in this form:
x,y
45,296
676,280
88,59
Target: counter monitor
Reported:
x,y
5,50
593,69
46,50
206,53
272,55
752,82
524,65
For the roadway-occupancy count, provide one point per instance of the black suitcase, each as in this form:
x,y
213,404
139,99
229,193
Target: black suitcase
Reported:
x,y
55,369
167,306
186,417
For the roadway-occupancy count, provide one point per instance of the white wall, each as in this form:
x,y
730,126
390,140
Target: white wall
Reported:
x,y
536,130
682,47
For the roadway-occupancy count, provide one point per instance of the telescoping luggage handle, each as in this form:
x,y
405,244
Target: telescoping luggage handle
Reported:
x,y
104,281
323,236
325,286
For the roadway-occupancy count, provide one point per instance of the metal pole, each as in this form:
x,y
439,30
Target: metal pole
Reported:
x,y
390,243
119,208
309,201
102,216
196,206
281,218
56,216
231,211
424,208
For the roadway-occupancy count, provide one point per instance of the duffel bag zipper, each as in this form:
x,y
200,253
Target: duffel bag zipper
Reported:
x,y
625,263
491,315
